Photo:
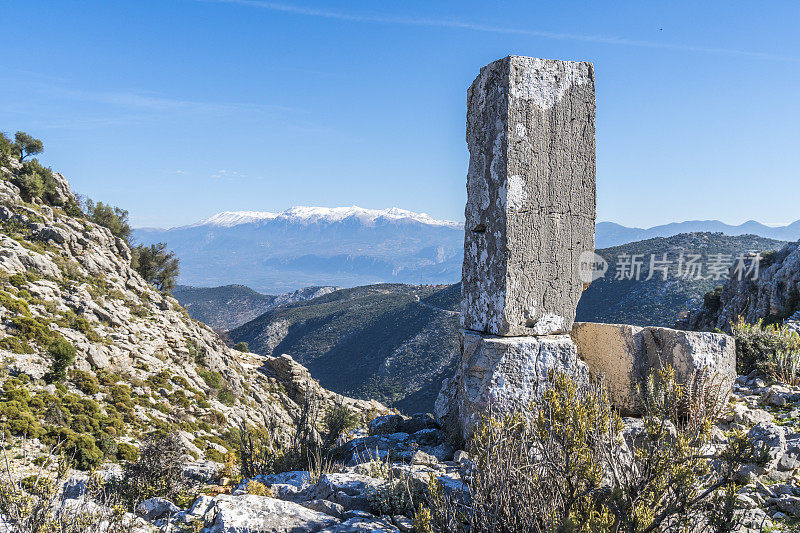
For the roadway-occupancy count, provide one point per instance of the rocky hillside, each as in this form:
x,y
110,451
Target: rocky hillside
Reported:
x,y
658,301
394,343
230,306
94,357
773,297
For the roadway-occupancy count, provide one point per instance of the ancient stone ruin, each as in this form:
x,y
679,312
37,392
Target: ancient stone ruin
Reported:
x,y
530,217
530,195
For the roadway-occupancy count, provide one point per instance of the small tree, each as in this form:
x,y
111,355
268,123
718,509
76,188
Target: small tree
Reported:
x,y
241,346
157,265
113,218
26,145
62,354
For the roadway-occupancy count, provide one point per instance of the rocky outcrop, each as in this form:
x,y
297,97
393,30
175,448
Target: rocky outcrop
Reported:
x,y
774,295
623,356
530,195
64,277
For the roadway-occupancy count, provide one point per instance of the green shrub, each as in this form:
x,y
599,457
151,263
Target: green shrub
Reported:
x,y
226,397
336,421
241,346
159,380
83,325
213,379
214,455
107,378
30,328
14,305
120,396
16,411
563,465
180,399
15,345
181,381
62,356
127,452
80,447
774,349
84,381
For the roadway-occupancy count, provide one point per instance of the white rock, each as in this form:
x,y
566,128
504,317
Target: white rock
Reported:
x,y
238,514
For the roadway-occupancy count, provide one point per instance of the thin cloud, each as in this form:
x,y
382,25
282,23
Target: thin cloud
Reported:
x,y
456,24
157,103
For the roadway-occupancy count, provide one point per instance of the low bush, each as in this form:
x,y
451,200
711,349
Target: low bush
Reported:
x,y
336,421
260,454
566,465
241,346
84,381
774,349
158,470
82,449
226,397
212,379
14,305
30,504
32,329
127,452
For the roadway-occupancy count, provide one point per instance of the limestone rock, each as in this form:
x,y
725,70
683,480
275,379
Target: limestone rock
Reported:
x,y
154,508
324,506
624,356
233,514
530,195
365,524
502,374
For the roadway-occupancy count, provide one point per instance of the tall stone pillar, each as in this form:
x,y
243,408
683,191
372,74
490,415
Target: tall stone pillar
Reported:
x,y
529,216
530,195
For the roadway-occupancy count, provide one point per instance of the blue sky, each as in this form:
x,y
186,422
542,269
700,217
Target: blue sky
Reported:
x,y
177,109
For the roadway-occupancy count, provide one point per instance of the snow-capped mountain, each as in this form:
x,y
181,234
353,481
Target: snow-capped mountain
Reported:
x,y
313,215
303,246
234,218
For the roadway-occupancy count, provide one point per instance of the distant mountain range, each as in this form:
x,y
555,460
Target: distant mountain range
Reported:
x,y
305,246
351,246
609,234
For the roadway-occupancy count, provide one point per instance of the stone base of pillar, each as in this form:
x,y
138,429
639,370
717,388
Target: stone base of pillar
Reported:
x,y
501,374
624,356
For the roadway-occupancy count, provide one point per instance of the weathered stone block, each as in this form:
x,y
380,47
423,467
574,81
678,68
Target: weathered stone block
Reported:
x,y
501,374
531,195
625,355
